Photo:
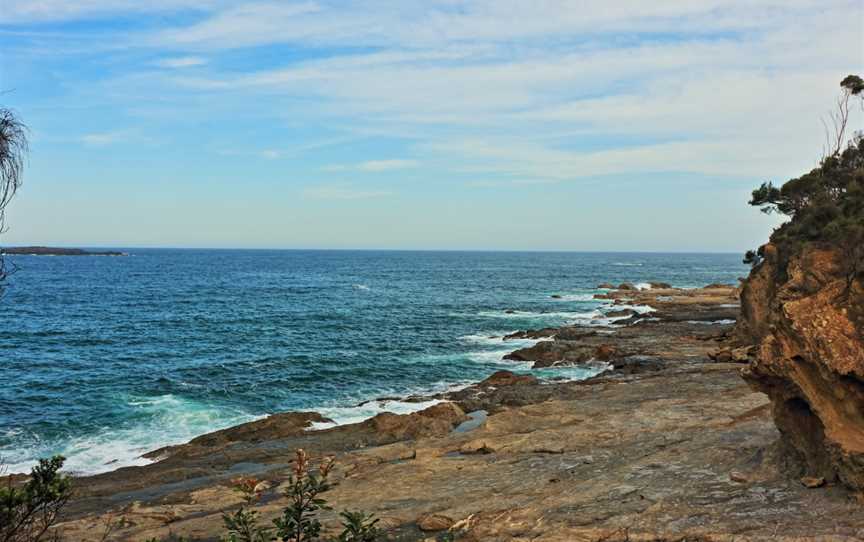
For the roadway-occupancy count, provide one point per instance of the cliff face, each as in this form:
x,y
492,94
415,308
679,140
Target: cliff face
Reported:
x,y
804,315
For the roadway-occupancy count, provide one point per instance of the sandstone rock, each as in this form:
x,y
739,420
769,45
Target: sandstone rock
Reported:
x,y
738,477
605,352
507,378
476,447
621,313
626,286
606,286
660,285
434,522
812,482
436,420
797,310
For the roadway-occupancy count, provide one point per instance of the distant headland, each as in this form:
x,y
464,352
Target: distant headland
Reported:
x,y
55,251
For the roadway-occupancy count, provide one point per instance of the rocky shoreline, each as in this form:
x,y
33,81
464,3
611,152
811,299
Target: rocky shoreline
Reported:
x,y
57,251
669,443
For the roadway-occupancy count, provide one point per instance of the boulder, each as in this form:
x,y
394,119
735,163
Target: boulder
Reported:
x,y
434,522
606,286
627,286
620,313
506,378
437,420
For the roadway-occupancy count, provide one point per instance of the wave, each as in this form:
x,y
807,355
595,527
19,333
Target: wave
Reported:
x,y
515,315
627,264
170,420
572,373
361,287
573,297
369,409
712,323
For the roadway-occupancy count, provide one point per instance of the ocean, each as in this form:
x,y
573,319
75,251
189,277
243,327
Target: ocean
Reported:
x,y
105,358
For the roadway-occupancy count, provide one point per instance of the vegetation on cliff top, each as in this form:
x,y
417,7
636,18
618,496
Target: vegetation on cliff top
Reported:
x,y
825,205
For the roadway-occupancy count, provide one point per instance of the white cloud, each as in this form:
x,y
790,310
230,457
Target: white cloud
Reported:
x,y
542,91
181,62
101,139
375,165
19,11
340,192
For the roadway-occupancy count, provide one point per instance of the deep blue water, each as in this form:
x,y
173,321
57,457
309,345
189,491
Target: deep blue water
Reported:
x,y
105,358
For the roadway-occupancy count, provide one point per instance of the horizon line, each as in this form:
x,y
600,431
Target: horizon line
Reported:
x,y
367,249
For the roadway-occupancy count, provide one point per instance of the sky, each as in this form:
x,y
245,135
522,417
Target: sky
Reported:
x,y
417,124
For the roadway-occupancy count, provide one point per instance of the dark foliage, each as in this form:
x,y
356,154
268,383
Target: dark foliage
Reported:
x,y
29,511
359,527
825,205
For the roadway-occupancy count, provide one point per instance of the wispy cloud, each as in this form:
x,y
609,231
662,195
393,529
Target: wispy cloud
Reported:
x,y
375,165
101,139
181,62
342,192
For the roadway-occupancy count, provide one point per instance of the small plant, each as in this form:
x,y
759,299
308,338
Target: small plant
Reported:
x,y
28,512
299,522
242,525
359,527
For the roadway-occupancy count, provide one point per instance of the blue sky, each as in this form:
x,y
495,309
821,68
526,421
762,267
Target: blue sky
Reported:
x,y
489,124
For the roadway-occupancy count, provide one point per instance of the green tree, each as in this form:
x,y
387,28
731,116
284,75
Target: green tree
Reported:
x,y
825,205
13,149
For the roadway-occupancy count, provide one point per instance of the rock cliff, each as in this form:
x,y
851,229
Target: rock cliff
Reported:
x,y
802,308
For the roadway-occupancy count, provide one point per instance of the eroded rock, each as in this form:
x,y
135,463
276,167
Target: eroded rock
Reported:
x,y
797,310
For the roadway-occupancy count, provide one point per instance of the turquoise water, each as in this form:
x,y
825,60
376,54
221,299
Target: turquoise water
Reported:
x,y
106,358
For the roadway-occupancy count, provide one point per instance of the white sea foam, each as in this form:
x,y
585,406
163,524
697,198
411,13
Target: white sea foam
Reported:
x,y
582,371
171,420
627,264
524,315
642,286
362,287
573,297
712,323
369,409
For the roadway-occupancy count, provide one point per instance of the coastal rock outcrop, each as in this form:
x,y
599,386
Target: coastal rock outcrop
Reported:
x,y
803,313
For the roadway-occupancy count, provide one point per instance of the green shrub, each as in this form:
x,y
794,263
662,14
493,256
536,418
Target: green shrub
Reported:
x,y
358,527
29,511
242,525
299,521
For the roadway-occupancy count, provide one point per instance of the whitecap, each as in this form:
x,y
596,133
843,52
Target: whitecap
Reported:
x,y
362,287
573,297
369,409
712,323
170,420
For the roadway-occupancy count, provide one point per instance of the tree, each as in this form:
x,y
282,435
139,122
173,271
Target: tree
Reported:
x,y
13,149
825,205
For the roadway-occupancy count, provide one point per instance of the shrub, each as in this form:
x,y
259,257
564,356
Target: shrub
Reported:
x,y
299,522
358,527
242,525
28,512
